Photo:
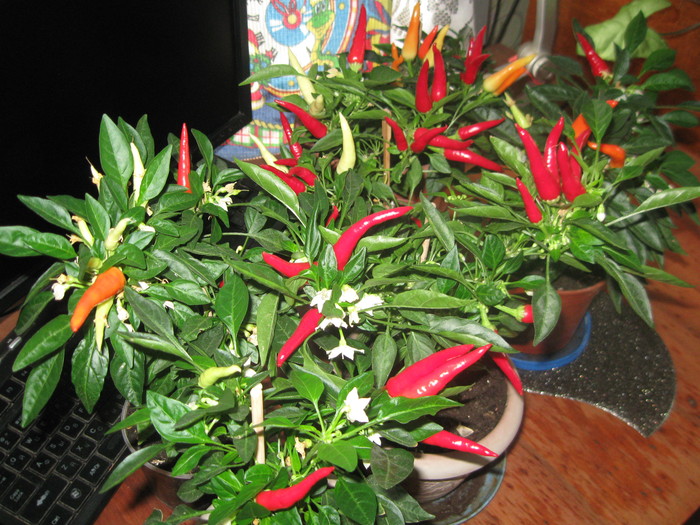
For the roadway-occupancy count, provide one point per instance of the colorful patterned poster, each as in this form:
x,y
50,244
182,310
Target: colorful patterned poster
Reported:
x,y
316,31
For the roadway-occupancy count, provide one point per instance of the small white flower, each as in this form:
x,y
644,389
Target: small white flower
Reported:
x,y
320,298
145,228
338,322
375,438
347,351
143,285
348,294
122,313
354,406
224,202
59,291
365,304
252,336
169,304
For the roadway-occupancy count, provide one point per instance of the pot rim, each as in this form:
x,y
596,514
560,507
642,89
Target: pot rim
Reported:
x,y
455,464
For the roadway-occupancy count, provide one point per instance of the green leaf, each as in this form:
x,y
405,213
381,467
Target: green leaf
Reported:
x,y
510,155
308,385
662,199
435,218
204,146
426,299
668,80
32,309
50,211
156,176
681,118
13,241
47,339
341,454
356,501
271,71
98,217
88,371
266,319
598,114
166,412
131,464
231,304
115,153
635,33
157,343
272,185
659,60
493,251
52,245
546,305
405,410
632,288
390,466
40,385
384,352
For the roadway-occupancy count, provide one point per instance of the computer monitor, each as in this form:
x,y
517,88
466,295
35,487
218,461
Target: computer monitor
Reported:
x,y
65,64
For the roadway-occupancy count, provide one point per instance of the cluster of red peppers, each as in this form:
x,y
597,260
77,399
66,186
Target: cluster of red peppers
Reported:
x,y
343,249
430,375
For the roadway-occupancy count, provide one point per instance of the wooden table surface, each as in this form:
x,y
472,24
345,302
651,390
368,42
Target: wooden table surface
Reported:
x,y
572,462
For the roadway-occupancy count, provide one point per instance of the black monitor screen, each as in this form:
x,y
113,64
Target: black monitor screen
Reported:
x,y
65,64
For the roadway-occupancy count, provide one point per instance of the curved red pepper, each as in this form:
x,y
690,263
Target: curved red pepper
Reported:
x,y
307,326
422,136
399,135
287,163
445,439
183,166
296,185
475,58
317,128
346,243
570,181
356,55
506,367
438,90
550,147
333,215
427,42
441,141
598,66
294,147
424,102
531,210
286,268
466,132
305,174
547,188
469,157
285,498
430,375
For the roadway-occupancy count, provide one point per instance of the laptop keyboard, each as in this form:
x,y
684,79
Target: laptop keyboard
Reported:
x,y
51,471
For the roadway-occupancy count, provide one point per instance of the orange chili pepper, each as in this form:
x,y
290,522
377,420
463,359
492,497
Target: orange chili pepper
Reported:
x,y
510,80
427,43
616,153
106,285
495,80
581,126
410,43
397,59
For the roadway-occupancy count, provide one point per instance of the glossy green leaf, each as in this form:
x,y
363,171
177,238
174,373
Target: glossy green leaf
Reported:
x,y
356,501
50,211
391,466
438,223
46,340
341,454
131,464
115,153
32,309
662,199
307,385
668,80
89,368
51,244
271,71
166,412
231,304
546,305
13,241
635,33
426,299
97,217
40,386
598,114
156,176
272,185
265,321
659,60
405,410
384,352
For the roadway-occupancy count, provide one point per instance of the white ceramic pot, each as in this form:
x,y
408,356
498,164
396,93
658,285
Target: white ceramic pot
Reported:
x,y
438,474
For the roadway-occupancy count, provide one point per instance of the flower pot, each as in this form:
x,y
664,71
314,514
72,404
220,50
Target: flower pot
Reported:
x,y
437,474
574,305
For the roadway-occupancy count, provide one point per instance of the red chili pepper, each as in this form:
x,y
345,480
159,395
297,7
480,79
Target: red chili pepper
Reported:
x,y
506,367
287,163
307,326
294,147
106,285
424,102
333,215
570,181
183,165
616,153
469,157
423,136
427,43
305,174
399,135
467,132
317,128
547,187
286,268
346,243
445,439
441,141
296,185
550,147
280,499
598,66
438,89
527,314
430,375
475,58
356,55
531,210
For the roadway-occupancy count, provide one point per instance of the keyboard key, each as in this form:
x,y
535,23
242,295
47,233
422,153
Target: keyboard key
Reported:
x,y
44,498
95,429
57,516
42,463
57,445
6,477
18,494
72,427
69,466
18,459
11,389
94,470
8,439
33,440
83,447
48,421
75,494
